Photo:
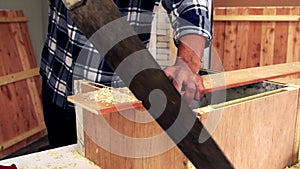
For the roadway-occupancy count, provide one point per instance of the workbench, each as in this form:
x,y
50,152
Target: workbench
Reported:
x,y
65,157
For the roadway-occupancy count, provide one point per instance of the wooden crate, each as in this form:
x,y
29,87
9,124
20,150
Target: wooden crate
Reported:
x,y
21,112
255,36
257,129
104,134
257,125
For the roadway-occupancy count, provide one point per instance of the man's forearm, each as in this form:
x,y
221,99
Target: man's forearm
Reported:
x,y
190,50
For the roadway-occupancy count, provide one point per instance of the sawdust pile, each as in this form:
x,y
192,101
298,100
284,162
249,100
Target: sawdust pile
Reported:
x,y
297,166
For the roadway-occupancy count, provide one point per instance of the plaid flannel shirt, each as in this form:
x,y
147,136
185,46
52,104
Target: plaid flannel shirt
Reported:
x,y
60,63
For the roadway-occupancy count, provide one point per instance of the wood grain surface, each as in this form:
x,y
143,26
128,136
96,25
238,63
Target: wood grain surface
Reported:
x,y
258,133
235,78
21,109
256,42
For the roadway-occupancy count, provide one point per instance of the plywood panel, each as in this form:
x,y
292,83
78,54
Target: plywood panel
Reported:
x,y
258,132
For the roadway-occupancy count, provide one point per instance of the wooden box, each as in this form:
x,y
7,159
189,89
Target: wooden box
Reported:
x,y
255,126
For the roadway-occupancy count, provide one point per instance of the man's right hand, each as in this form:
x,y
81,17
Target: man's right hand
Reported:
x,y
189,84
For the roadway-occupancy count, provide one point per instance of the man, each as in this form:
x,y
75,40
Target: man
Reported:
x,y
65,42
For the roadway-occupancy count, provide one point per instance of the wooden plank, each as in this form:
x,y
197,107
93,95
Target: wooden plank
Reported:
x,y
22,137
247,76
255,3
19,76
281,38
293,51
28,61
230,42
205,155
254,41
13,19
242,41
101,107
267,40
293,38
264,18
212,82
217,52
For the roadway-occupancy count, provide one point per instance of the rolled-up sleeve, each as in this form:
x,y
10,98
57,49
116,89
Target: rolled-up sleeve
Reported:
x,y
191,17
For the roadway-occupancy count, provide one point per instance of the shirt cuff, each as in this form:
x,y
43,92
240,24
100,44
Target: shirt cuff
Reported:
x,y
187,30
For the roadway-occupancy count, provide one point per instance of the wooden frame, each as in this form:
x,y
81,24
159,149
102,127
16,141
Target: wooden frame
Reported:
x,y
21,113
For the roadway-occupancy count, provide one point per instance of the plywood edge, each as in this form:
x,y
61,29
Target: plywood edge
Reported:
x,y
80,130
102,110
293,82
80,104
296,152
22,137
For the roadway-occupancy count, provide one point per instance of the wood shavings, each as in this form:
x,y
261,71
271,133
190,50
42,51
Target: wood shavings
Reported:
x,y
297,166
190,165
112,96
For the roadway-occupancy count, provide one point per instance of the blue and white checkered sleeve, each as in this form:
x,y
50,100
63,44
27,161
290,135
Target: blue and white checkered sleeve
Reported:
x,y
191,17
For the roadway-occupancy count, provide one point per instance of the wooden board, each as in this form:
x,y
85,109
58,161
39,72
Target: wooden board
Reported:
x,y
212,82
255,3
265,40
101,107
257,133
296,82
21,111
242,77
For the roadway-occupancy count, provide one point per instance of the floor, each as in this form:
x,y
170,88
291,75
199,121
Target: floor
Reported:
x,y
39,145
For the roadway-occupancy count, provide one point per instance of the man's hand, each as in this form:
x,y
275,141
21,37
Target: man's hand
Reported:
x,y
184,74
187,83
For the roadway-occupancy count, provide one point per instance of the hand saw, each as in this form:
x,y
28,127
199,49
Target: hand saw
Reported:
x,y
113,37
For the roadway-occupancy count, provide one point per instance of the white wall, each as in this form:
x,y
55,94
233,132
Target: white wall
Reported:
x,y
36,11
